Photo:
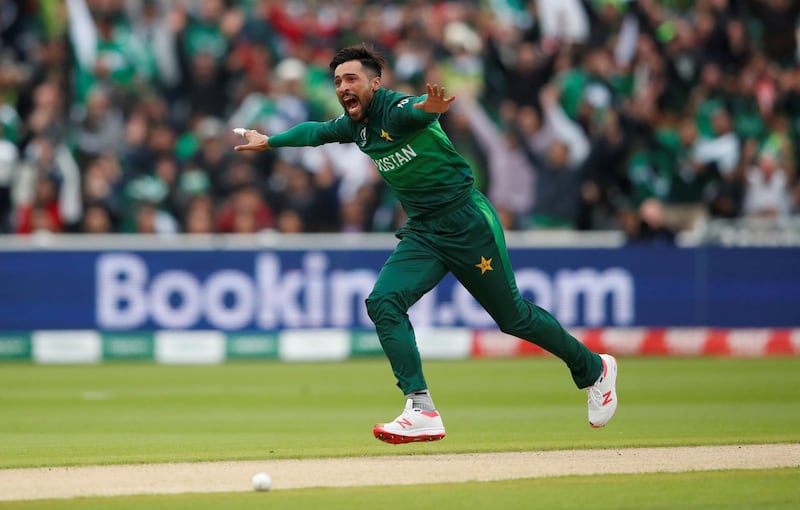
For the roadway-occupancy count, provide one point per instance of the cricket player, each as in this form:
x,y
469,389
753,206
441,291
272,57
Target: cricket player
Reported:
x,y
451,227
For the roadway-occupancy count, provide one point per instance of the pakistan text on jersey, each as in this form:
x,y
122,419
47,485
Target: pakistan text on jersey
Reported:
x,y
396,160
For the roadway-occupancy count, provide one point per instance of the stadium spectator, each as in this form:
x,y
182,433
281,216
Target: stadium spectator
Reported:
x,y
9,159
42,212
559,167
199,216
47,188
97,219
244,212
99,128
767,188
101,184
511,176
778,25
148,219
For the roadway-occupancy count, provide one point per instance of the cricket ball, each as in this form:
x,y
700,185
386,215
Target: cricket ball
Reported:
x,y
262,482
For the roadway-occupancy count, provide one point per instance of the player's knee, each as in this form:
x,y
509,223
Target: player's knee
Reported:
x,y
513,326
520,321
384,306
508,329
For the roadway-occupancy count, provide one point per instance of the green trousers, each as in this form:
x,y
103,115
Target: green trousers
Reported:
x,y
469,242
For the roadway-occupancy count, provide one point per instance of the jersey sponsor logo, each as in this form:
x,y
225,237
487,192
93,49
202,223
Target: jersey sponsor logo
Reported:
x,y
397,160
386,136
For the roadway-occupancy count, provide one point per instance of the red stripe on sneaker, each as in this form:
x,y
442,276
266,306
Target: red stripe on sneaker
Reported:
x,y
388,437
429,414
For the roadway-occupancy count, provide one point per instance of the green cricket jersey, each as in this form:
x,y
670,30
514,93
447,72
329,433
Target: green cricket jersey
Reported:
x,y
410,149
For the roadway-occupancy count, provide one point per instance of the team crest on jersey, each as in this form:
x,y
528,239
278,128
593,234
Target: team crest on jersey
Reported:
x,y
362,137
484,265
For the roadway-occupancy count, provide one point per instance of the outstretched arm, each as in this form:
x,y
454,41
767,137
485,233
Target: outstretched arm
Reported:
x,y
436,101
305,134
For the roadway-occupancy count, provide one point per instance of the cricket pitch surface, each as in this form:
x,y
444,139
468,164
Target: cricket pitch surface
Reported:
x,y
232,476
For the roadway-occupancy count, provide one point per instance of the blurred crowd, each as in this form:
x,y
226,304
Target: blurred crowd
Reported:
x,y
649,117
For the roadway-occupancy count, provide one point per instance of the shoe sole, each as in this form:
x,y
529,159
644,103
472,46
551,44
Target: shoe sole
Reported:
x,y
390,438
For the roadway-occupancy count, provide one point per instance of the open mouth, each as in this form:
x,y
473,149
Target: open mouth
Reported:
x,y
351,103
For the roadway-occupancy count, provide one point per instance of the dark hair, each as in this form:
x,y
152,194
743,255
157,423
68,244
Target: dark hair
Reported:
x,y
371,60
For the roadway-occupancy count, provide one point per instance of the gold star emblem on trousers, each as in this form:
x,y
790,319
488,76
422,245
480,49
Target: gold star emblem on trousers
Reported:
x,y
484,265
386,136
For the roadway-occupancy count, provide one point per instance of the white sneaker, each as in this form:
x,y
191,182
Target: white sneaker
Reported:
x,y
411,426
603,394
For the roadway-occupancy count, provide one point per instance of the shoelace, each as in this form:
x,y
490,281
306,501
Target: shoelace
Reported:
x,y
595,397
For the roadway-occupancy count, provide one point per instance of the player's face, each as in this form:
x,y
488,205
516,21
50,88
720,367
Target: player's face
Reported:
x,y
355,88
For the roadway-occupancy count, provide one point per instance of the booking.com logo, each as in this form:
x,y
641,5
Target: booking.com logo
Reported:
x,y
130,295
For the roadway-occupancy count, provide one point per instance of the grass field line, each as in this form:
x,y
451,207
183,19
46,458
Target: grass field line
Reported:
x,y
232,476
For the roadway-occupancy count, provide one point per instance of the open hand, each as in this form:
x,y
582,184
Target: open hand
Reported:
x,y
436,102
255,140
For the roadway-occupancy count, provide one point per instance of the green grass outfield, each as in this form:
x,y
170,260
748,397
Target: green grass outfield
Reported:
x,y
133,413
